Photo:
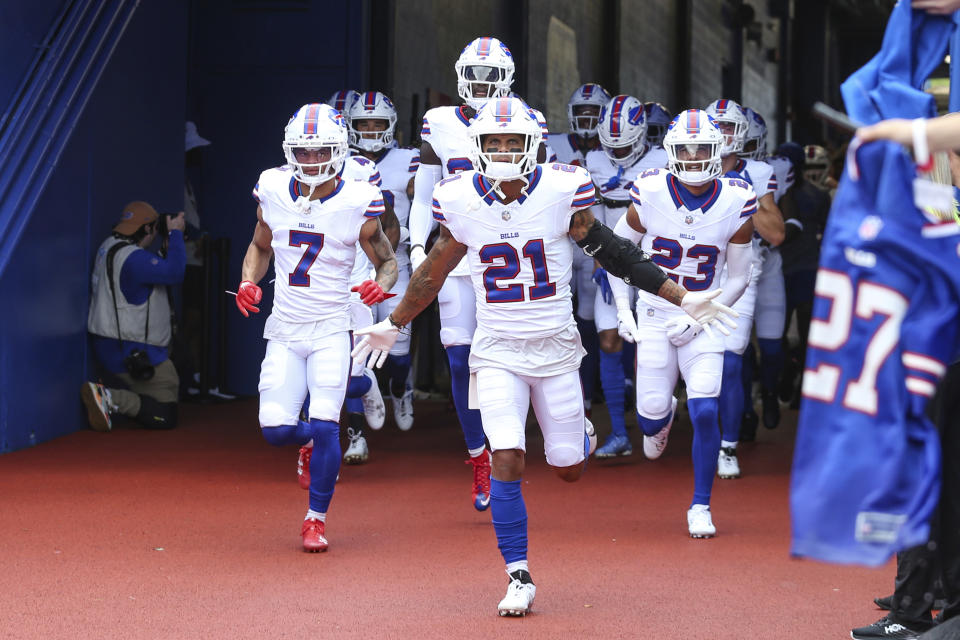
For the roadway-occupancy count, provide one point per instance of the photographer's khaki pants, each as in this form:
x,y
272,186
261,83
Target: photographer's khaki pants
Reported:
x,y
164,387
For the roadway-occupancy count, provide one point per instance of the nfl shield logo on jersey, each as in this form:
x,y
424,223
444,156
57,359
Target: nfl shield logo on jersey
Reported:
x,y
688,219
505,215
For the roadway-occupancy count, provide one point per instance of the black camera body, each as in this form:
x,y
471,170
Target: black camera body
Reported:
x,y
138,365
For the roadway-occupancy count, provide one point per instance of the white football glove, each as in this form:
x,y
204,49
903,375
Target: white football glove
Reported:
x,y
377,341
417,256
682,330
627,326
700,306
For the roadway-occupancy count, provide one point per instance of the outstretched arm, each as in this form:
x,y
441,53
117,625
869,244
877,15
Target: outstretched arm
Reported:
x,y
426,281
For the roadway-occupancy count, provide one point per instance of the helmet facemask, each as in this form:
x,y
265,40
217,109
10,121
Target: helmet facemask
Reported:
x,y
366,135
477,84
515,163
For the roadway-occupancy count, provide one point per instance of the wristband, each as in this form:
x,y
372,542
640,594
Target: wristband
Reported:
x,y
921,149
394,322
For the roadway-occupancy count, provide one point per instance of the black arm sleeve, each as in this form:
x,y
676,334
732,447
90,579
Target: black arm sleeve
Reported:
x,y
622,258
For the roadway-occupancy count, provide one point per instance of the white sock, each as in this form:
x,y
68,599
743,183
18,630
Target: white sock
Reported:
x,y
514,566
726,444
322,517
475,452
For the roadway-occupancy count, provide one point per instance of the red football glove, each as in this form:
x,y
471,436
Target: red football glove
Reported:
x,y
248,296
370,292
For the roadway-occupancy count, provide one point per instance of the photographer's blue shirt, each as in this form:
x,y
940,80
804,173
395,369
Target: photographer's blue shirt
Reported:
x,y
141,271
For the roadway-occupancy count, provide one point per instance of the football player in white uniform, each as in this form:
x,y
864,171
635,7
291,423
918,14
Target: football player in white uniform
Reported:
x,y
693,222
658,119
771,309
310,221
484,72
342,100
623,155
373,122
583,113
732,121
511,219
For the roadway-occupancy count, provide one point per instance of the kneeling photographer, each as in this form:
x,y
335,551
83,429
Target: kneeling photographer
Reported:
x,y
130,320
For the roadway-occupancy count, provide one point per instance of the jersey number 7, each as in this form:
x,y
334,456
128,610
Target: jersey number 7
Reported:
x,y
314,242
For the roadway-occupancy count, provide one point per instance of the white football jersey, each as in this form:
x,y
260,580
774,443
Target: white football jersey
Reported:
x,y
689,242
757,173
313,251
564,145
397,167
783,170
615,182
519,253
363,170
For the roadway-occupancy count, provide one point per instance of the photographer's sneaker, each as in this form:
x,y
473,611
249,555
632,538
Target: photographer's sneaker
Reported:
x,y
728,466
654,445
303,467
373,407
520,593
313,535
96,398
357,451
699,522
885,628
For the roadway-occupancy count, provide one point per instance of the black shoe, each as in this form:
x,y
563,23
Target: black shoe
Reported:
x,y
884,603
748,426
885,628
771,409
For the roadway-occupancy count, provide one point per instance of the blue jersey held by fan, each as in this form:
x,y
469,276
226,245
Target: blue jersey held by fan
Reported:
x,y
885,326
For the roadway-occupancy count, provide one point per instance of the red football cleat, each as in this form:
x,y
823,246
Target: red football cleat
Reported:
x,y
312,533
303,467
480,492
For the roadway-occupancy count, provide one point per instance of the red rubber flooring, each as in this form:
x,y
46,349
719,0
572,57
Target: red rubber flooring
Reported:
x,y
194,533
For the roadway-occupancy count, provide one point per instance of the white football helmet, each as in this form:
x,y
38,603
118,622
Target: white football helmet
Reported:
x,y
658,119
372,105
727,111
315,127
693,143
485,64
342,101
505,116
623,125
587,95
534,112
816,166
755,144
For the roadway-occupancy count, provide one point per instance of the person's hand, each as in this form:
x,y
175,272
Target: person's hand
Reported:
x,y
176,223
896,129
627,326
248,296
936,7
377,341
700,306
370,292
682,330
417,256
603,283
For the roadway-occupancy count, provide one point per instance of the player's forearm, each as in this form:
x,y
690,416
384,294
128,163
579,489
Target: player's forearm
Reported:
x,y
255,263
424,286
421,220
671,292
739,261
769,221
387,273
390,224
621,258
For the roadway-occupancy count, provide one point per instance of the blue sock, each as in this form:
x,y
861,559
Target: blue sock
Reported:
x,y
588,366
298,434
651,427
397,369
353,405
731,396
706,446
749,358
358,385
324,463
611,378
458,356
509,515
771,362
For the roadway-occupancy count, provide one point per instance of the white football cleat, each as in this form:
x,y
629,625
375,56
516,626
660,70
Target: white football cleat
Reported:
x,y
654,445
403,409
699,522
591,434
519,597
373,407
728,466
357,451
